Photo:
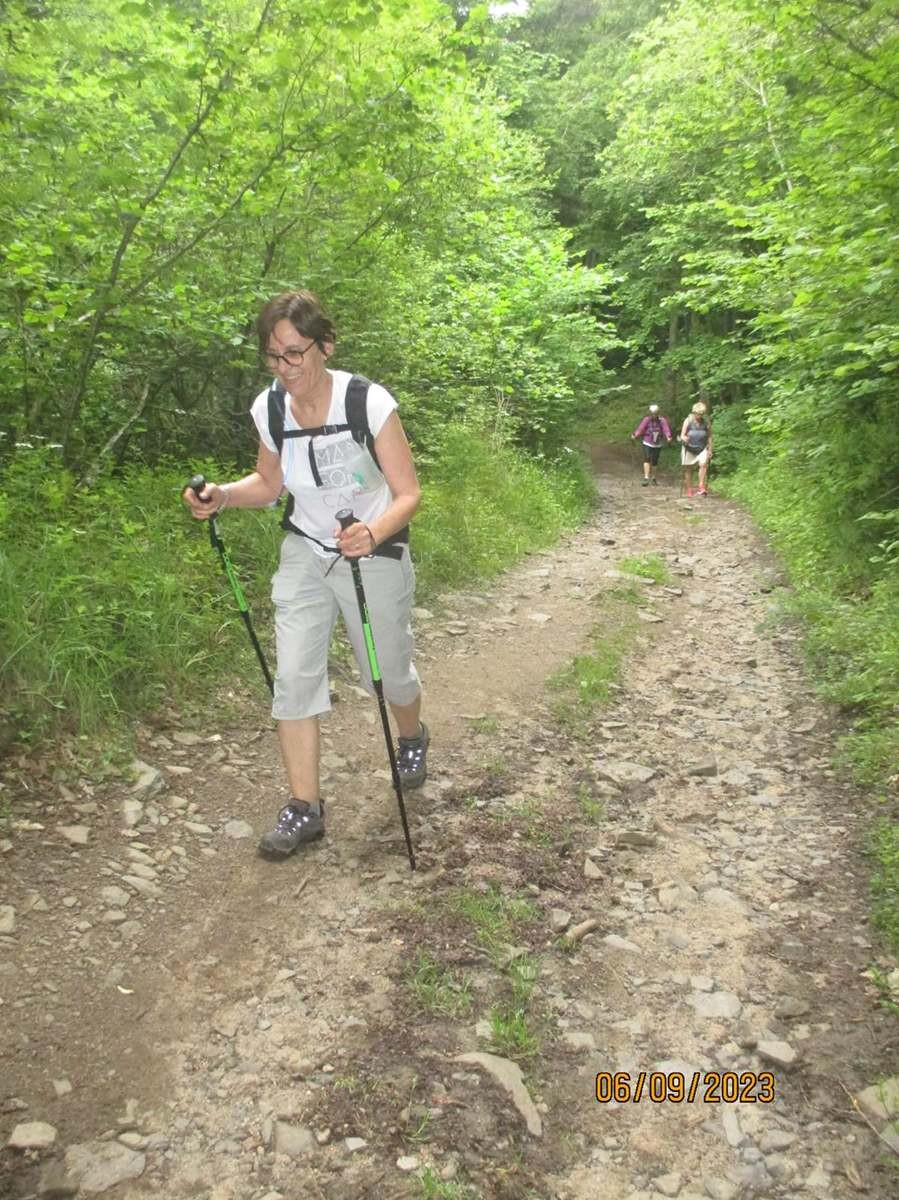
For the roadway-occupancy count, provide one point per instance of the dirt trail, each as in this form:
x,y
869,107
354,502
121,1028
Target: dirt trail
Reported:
x,y
192,1021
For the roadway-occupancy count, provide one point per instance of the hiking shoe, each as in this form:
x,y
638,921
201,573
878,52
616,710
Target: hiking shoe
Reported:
x,y
654,481
645,481
412,759
702,492
297,823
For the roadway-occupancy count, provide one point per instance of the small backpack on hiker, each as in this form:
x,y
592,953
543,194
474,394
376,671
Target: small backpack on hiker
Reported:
x,y
355,424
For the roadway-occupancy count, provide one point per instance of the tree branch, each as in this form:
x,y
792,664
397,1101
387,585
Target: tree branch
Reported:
x,y
106,304
90,476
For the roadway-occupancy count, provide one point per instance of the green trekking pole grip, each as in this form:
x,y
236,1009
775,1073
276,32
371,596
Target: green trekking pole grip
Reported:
x,y
346,518
196,484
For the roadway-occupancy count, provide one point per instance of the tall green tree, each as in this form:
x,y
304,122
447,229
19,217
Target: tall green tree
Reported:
x,y
167,165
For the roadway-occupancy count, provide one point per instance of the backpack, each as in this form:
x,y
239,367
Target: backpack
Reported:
x,y
655,430
697,437
356,424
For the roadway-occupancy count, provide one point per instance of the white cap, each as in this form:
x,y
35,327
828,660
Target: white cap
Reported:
x,y
653,408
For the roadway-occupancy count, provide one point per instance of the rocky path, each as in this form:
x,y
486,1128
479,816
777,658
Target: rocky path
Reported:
x,y
663,903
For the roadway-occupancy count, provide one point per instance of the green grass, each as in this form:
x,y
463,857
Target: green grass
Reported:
x,y
432,1187
619,413
511,1031
650,566
523,973
592,807
885,881
586,685
113,605
846,595
436,988
485,505
511,1035
418,1132
492,915
497,769
494,918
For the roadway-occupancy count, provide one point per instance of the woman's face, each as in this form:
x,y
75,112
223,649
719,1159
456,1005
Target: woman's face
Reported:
x,y
302,379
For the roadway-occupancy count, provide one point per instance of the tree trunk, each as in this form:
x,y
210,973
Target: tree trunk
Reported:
x,y
671,381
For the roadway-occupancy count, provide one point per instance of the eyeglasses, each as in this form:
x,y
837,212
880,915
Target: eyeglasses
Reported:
x,y
291,358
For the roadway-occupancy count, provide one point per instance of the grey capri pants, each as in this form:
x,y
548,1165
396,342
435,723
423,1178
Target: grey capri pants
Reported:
x,y
307,597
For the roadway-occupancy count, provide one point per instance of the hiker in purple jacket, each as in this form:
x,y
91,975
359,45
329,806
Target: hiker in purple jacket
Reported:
x,y
651,430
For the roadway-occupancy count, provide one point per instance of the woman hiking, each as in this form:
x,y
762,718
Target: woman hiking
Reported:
x,y
332,441
652,429
696,447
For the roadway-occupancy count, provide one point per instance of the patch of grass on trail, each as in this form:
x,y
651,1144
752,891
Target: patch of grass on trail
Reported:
x,y
432,1187
588,682
492,915
651,566
593,808
438,989
483,930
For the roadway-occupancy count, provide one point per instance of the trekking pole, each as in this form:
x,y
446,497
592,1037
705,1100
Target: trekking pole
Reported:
x,y
196,485
346,518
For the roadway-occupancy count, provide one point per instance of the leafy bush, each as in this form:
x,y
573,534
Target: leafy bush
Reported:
x,y
113,603
485,505
846,592
109,600
885,881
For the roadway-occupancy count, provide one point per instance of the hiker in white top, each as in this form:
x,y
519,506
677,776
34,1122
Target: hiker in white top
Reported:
x,y
696,447
324,471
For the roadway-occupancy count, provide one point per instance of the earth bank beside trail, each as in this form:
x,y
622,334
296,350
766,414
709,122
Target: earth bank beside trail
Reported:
x,y
189,1020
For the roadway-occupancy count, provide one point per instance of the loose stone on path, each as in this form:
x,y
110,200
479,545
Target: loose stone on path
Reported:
x,y
32,1135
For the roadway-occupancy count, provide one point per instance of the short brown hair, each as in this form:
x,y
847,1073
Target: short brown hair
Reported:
x,y
305,313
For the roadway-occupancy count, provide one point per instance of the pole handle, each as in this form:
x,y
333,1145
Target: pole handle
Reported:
x,y
196,483
345,517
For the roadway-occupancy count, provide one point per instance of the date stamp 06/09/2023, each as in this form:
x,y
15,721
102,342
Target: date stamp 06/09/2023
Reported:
x,y
675,1087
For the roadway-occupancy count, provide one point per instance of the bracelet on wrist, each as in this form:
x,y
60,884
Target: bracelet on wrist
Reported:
x,y
372,536
225,489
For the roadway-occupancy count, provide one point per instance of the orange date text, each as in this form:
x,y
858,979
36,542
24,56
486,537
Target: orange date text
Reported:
x,y
706,1087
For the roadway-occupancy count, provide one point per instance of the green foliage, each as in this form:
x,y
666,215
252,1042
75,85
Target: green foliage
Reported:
x,y
511,1034
484,506
160,177
885,881
492,915
438,989
650,566
113,604
592,807
432,1187
736,446
586,684
618,414
849,609
110,605
737,172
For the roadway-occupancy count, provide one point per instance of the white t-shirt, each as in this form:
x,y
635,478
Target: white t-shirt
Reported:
x,y
350,477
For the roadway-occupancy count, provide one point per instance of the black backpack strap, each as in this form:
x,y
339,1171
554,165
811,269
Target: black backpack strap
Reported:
x,y
357,413
276,402
356,403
